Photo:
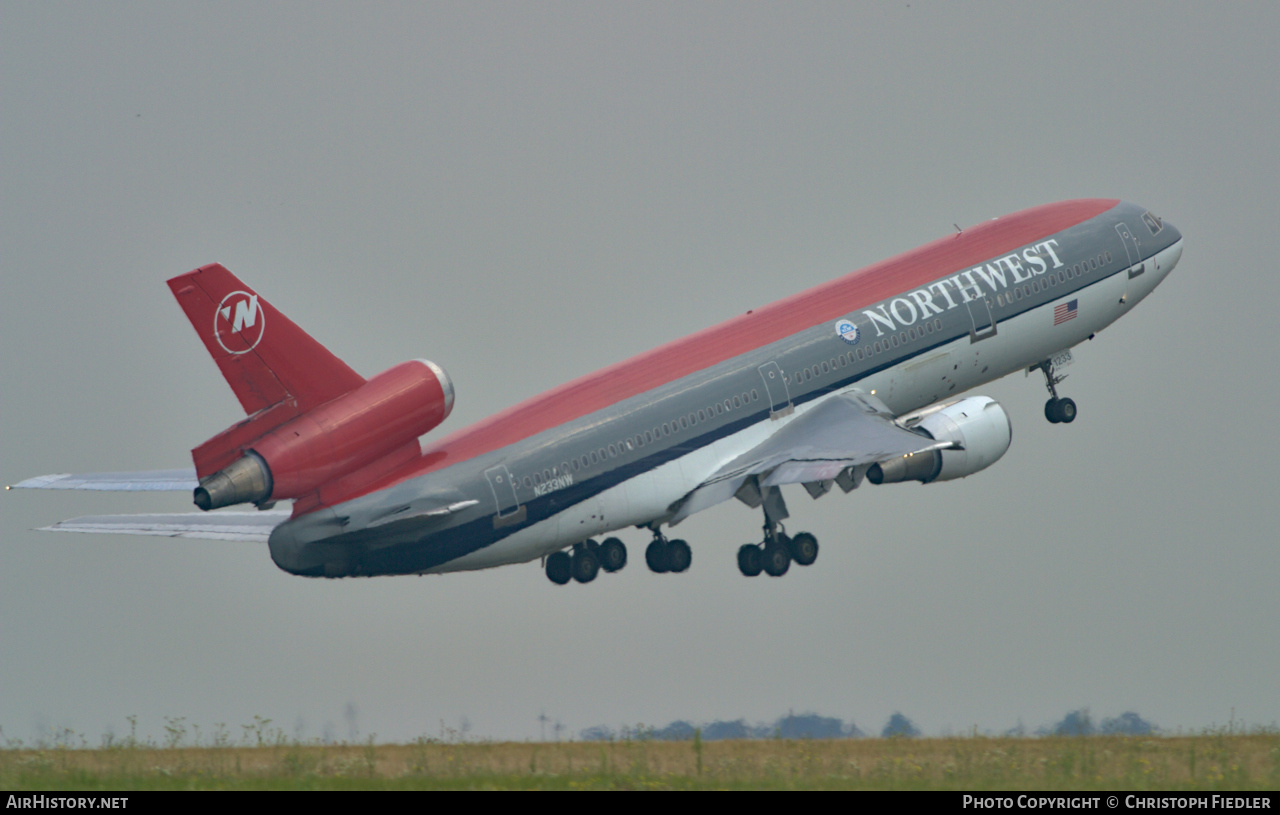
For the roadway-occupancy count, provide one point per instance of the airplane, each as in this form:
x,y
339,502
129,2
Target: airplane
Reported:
x,y
860,379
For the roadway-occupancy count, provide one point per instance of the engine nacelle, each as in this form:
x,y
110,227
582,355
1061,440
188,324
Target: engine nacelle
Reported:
x,y
979,424
393,408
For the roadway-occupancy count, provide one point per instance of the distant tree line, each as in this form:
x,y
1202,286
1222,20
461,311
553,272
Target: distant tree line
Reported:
x,y
813,726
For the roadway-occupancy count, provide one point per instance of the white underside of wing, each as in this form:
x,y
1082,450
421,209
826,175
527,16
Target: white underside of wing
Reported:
x,y
143,481
226,526
844,430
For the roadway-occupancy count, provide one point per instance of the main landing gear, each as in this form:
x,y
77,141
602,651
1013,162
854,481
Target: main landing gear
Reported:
x,y
586,561
663,555
775,554
1056,409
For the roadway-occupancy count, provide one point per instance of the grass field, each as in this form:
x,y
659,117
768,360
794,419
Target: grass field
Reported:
x,y
1214,761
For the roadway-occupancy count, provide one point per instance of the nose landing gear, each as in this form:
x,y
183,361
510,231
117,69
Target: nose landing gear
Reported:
x,y
1057,409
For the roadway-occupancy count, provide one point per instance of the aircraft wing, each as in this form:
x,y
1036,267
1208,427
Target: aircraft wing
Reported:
x,y
227,526
146,480
851,430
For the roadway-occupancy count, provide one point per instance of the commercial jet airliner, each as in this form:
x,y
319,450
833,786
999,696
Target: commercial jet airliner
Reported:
x,y
858,379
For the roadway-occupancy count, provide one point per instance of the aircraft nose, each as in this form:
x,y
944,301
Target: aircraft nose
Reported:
x,y
1167,259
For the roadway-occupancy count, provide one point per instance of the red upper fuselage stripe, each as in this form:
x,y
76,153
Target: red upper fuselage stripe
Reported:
x,y
753,330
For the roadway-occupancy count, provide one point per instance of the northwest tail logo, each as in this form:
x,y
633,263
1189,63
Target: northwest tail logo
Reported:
x,y
239,322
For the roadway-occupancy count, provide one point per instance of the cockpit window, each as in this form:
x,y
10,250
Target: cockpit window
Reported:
x,y
1153,221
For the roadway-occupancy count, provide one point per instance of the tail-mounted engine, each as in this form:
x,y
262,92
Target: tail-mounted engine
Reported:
x,y
978,425
276,460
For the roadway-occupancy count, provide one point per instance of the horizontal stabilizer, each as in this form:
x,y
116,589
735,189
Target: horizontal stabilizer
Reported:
x,y
142,481
227,526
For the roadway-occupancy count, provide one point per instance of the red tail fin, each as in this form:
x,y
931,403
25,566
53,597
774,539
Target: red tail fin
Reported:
x,y
264,356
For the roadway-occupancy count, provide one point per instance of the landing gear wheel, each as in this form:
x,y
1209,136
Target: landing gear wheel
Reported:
x,y
804,549
655,554
612,554
1066,411
1060,410
750,559
1051,411
585,565
776,557
559,568
678,556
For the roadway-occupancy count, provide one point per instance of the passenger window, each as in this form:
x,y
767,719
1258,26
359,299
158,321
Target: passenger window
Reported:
x,y
737,402
755,394
528,482
613,450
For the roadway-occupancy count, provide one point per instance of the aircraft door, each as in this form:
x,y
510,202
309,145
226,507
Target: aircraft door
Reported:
x,y
505,501
1131,250
775,389
983,324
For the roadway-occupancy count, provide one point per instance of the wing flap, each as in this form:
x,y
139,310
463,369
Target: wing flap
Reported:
x,y
228,526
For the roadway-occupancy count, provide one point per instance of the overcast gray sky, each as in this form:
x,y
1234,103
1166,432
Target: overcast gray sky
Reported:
x,y
524,193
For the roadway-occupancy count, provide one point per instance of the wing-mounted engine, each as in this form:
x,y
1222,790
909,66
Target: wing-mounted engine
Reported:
x,y
377,422
977,425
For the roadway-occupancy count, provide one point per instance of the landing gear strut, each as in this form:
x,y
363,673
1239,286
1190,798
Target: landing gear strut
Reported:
x,y
1056,409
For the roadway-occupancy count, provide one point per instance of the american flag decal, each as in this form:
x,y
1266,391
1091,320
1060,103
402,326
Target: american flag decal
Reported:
x,y
1064,312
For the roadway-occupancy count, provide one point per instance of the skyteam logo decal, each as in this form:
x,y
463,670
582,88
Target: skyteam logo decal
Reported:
x,y
847,331
239,323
